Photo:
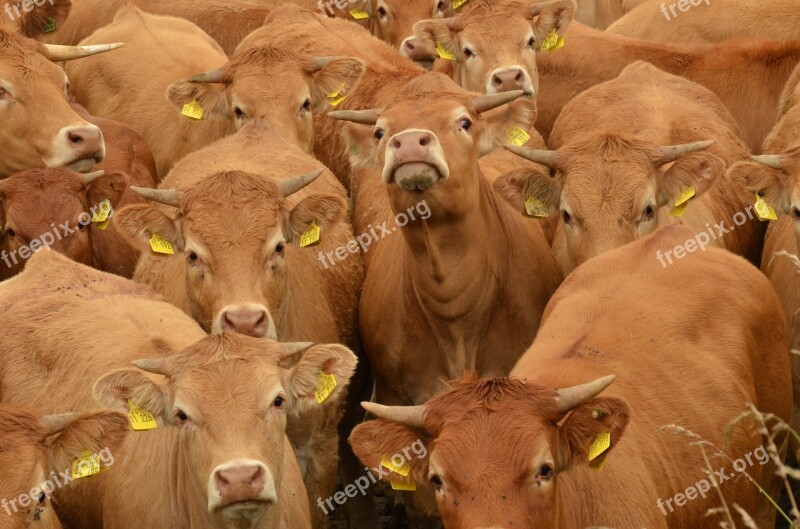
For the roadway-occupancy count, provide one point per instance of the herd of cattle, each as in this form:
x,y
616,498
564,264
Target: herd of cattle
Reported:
x,y
606,272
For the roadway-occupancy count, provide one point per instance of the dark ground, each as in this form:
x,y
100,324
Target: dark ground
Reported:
x,y
391,510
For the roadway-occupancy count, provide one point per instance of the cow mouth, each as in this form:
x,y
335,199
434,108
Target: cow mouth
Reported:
x,y
81,165
416,176
245,510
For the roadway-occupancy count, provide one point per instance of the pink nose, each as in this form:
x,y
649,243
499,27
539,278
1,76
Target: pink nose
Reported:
x,y
247,322
509,79
239,484
86,142
411,146
413,48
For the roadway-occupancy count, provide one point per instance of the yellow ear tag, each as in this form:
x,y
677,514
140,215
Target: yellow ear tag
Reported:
x,y
601,443
403,470
192,110
518,136
763,210
161,245
334,98
401,485
86,465
535,207
678,211
325,386
100,216
444,53
552,42
310,236
458,3
686,194
140,418
358,14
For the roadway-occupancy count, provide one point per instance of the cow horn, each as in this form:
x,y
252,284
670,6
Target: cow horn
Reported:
x,y
293,348
770,160
57,53
481,104
156,366
322,62
88,178
413,416
217,75
542,156
670,153
365,117
168,197
57,423
296,183
568,398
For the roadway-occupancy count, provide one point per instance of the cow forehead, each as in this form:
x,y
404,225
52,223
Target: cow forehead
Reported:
x,y
423,113
22,63
497,31
615,185
235,383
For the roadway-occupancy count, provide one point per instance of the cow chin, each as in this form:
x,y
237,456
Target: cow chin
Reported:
x,y
246,511
416,176
83,165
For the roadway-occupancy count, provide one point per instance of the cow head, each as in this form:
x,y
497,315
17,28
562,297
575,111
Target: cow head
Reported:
x,y
430,141
239,241
246,88
39,127
495,448
229,398
43,17
494,46
34,447
393,21
607,189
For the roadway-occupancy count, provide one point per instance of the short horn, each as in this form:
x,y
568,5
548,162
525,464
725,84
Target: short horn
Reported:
x,y
58,53
296,183
569,398
542,156
365,117
217,75
322,62
88,178
413,416
157,366
770,160
670,153
168,197
56,423
481,104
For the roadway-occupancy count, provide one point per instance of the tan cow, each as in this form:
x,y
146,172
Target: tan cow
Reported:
x,y
463,289
219,457
168,49
514,452
747,76
35,453
600,14
698,21
623,158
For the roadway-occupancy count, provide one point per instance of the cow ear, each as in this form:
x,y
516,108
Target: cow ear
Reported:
x,y
697,170
588,429
519,185
758,179
212,98
377,440
362,146
556,16
116,388
324,210
46,18
433,33
100,433
109,187
315,367
140,221
519,114
334,80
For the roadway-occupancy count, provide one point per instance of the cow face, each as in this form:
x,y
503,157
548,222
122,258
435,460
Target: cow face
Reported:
x,y
228,398
495,46
238,241
52,208
39,127
34,448
246,88
496,449
607,189
393,22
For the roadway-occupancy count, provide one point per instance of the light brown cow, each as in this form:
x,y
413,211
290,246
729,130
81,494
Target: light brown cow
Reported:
x,y
699,21
34,23
747,76
463,289
237,211
600,14
36,449
513,452
170,49
219,457
613,182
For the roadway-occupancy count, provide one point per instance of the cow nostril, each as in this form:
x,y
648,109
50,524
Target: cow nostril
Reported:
x,y
395,144
496,80
409,45
425,140
75,138
518,77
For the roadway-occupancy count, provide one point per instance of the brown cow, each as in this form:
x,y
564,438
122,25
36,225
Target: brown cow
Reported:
x,y
219,455
612,180
600,14
170,49
513,452
462,289
747,76
236,212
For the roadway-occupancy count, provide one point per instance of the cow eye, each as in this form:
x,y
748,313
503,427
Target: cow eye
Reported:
x,y
238,111
649,213
81,226
42,498
279,402
4,94
468,53
531,42
465,124
545,473
307,105
436,481
378,133
192,256
279,247
181,415
566,217
11,233
796,213
382,12
440,7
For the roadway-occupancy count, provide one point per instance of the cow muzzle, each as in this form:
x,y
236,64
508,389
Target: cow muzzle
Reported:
x,y
416,50
509,79
78,148
414,160
241,490
248,319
